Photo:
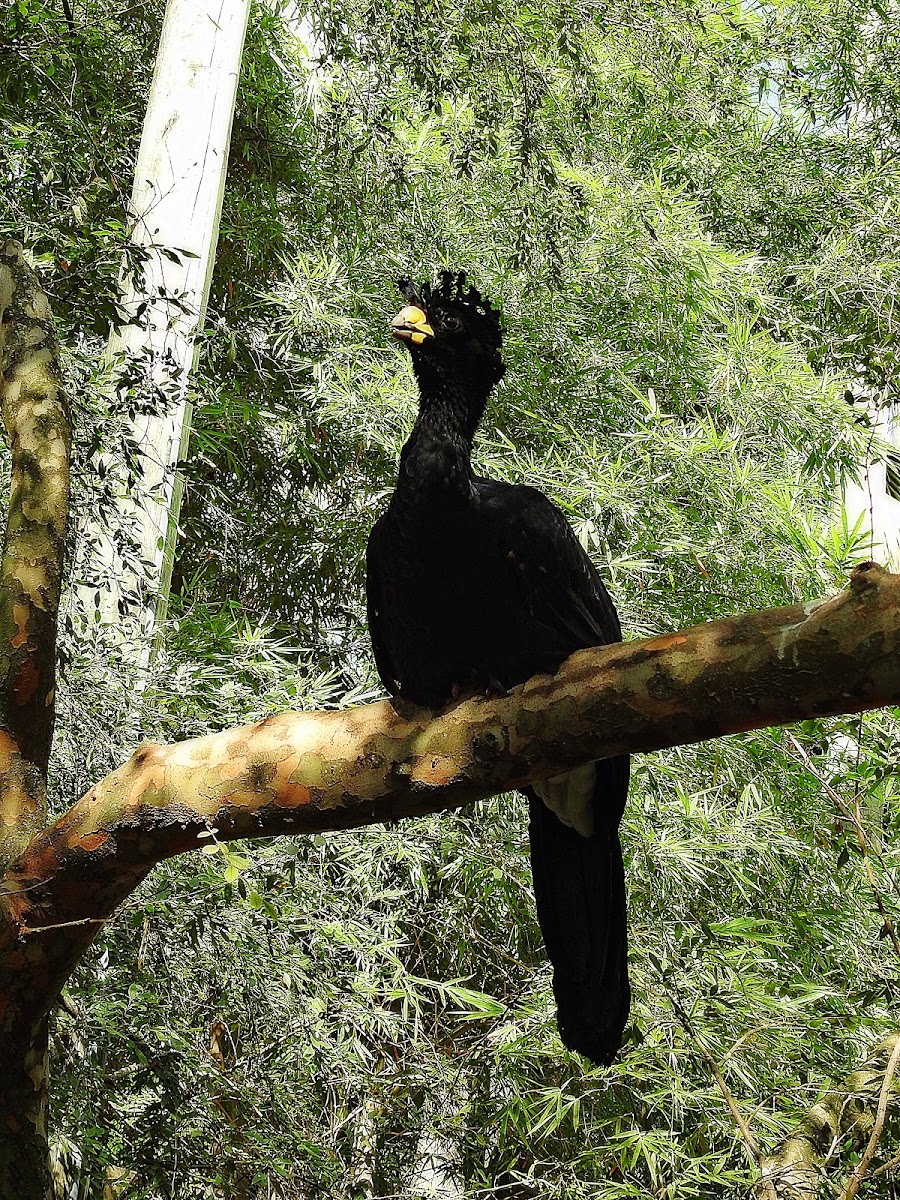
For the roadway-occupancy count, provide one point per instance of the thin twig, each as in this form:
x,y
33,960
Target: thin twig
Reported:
x,y
886,1168
861,837
852,1185
27,930
745,1131
745,1037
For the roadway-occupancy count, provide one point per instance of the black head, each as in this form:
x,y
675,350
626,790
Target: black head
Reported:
x,y
452,332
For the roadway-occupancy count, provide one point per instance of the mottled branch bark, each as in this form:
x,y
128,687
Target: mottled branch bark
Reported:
x,y
303,772
846,1114
36,420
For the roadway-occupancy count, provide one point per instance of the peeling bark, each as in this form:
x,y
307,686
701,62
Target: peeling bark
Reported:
x,y
845,1114
36,420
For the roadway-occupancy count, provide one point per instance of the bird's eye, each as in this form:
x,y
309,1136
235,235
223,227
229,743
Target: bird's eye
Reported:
x,y
453,324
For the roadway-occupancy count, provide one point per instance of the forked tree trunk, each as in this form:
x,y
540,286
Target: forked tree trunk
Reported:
x,y
36,422
24,1153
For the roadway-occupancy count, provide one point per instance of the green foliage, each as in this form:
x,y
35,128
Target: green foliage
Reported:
x,y
689,220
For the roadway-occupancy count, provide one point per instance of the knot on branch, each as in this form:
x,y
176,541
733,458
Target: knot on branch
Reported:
x,y
867,576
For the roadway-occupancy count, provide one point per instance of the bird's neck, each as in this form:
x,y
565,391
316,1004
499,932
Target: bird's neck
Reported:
x,y
437,458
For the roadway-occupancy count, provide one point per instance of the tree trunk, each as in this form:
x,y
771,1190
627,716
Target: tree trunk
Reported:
x,y
176,203
24,1153
35,414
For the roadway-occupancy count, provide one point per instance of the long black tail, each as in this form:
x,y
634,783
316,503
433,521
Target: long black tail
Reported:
x,y
579,885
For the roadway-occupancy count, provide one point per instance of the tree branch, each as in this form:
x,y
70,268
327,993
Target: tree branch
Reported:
x,y
851,1187
307,772
36,420
743,1128
848,1112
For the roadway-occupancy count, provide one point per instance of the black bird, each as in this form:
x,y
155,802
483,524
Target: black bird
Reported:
x,y
475,583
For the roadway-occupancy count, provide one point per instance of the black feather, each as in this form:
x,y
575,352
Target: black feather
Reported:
x,y
472,582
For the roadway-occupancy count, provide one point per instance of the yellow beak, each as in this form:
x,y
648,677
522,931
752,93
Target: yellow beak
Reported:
x,y
411,325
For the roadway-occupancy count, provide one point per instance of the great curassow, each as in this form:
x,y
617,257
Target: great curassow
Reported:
x,y
473,583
